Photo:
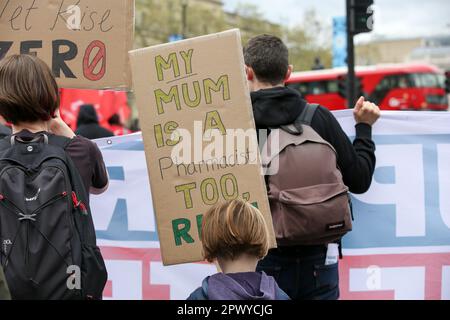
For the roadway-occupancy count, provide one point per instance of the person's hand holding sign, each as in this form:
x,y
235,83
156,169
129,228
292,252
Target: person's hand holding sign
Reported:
x,y
366,112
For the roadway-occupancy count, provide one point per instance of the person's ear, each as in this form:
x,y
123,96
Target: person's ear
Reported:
x,y
289,72
250,73
56,114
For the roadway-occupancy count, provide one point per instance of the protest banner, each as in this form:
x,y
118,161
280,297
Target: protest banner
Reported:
x,y
199,135
85,42
399,247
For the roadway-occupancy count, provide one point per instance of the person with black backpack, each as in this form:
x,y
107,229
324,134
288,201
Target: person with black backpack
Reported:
x,y
311,165
88,126
48,244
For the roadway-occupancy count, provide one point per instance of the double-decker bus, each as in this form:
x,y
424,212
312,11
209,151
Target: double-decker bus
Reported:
x,y
392,87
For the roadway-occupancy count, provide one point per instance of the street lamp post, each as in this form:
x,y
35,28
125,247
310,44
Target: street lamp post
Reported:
x,y
351,94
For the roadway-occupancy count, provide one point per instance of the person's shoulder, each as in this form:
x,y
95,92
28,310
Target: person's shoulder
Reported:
x,y
108,133
80,144
4,130
323,117
102,132
198,294
81,141
281,295
324,111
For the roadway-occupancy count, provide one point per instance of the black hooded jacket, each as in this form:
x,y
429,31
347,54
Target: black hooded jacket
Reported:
x,y
88,126
282,106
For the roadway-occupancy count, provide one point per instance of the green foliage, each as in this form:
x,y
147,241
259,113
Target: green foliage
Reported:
x,y
248,19
307,41
156,20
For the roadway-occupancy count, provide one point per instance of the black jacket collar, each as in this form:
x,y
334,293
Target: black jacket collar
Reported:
x,y
276,106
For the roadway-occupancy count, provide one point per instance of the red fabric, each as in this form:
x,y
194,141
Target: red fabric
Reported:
x,y
119,130
106,102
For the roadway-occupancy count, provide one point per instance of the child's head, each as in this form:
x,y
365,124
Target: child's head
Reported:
x,y
28,90
232,229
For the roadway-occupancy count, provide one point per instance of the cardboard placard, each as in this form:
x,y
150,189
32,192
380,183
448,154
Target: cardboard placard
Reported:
x,y
85,42
192,95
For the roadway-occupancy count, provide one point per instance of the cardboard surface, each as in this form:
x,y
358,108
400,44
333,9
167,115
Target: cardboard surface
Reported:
x,y
85,42
188,87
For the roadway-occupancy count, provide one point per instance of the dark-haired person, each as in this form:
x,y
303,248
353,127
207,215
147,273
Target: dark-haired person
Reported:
x,y
274,105
116,126
88,125
29,100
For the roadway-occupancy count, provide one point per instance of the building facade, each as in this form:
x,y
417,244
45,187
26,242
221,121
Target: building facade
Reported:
x,y
432,50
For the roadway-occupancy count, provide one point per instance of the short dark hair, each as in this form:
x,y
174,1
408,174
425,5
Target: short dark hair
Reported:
x,y
28,90
114,120
268,56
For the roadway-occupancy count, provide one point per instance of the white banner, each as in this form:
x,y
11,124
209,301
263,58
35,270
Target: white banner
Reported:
x,y
399,247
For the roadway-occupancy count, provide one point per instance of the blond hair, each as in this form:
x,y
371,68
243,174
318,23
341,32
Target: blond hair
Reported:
x,y
234,228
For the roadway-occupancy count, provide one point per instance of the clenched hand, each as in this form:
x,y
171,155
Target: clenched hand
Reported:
x,y
366,112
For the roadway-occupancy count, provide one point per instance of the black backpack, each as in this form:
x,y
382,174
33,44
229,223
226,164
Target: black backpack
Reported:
x,y
47,236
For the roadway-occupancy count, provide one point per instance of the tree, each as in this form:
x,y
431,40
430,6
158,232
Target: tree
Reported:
x,y
248,19
309,40
157,20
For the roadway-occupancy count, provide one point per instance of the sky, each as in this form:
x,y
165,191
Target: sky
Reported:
x,y
393,18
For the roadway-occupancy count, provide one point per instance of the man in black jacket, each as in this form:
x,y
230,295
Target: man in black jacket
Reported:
x,y
300,270
88,126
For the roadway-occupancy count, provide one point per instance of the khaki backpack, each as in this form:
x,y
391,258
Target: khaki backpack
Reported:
x,y
309,202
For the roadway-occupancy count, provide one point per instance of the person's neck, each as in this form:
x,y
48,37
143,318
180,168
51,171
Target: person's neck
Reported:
x,y
256,86
243,263
32,127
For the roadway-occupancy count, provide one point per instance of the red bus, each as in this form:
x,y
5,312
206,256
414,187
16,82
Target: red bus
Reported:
x,y
392,87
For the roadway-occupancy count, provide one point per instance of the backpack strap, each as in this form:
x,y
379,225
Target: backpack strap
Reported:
x,y
84,223
52,139
305,118
295,129
307,114
5,143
